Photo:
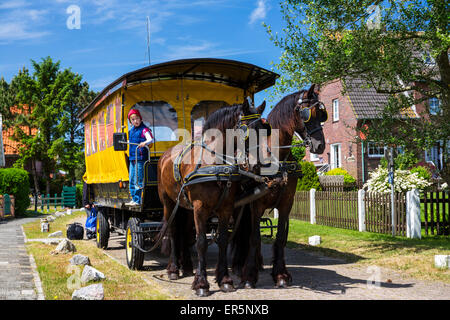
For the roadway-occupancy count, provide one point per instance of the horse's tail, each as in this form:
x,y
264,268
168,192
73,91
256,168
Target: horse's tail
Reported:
x,y
241,237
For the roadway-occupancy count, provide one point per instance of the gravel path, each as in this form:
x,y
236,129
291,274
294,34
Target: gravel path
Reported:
x,y
315,277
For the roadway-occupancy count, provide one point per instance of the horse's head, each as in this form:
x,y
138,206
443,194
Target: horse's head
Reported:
x,y
310,113
250,120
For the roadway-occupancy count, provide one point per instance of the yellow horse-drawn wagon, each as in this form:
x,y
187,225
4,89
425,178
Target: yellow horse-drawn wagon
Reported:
x,y
173,95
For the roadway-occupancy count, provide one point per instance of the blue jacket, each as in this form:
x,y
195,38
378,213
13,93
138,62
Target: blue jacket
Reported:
x,y
137,135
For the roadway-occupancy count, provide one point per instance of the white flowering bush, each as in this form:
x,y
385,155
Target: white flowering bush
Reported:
x,y
404,180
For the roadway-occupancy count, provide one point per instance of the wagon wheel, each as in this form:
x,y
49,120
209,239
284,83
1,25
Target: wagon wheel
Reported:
x,y
102,230
134,239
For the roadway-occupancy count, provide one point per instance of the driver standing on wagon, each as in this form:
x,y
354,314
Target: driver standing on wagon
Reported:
x,y
140,135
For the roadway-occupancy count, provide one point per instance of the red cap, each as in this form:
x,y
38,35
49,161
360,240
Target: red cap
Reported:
x,y
134,111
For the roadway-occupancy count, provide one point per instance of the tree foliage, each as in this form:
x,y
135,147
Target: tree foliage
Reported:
x,y
397,47
44,117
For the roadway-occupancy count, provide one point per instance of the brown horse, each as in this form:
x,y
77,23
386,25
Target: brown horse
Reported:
x,y
199,201
299,112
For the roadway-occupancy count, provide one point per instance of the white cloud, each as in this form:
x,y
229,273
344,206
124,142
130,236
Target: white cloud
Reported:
x,y
12,4
18,31
259,12
202,49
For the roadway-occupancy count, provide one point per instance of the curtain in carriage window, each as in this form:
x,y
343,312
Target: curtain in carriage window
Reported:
x,y
200,112
101,131
160,117
94,135
109,124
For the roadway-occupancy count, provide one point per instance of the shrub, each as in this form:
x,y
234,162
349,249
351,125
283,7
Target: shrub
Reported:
x,y
15,182
403,161
404,180
348,179
423,172
298,152
310,179
79,195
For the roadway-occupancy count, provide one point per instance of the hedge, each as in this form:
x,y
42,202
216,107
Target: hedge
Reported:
x,y
15,182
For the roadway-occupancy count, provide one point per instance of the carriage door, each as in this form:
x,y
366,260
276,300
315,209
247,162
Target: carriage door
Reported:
x,y
200,113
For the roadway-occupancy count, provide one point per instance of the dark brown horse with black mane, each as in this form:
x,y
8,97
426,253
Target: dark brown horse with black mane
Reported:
x,y
300,112
187,203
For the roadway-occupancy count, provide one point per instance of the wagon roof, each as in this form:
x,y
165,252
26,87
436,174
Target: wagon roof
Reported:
x,y
230,72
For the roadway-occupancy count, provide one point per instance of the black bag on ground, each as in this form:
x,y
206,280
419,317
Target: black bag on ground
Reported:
x,y
75,231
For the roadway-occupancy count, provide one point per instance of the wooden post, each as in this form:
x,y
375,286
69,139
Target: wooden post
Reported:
x,y
2,207
312,205
13,202
413,229
361,211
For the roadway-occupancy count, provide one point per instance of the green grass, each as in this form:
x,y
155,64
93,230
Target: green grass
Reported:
x,y
120,284
414,257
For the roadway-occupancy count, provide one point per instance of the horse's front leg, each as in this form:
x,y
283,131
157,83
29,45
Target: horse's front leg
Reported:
x,y
200,284
222,276
280,275
251,268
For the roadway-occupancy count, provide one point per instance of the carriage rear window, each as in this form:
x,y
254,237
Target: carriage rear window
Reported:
x,y
160,117
200,112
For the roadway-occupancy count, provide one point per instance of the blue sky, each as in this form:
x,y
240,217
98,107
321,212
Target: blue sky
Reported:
x,y
112,38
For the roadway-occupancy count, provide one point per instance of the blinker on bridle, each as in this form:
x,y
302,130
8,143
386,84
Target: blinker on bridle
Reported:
x,y
305,112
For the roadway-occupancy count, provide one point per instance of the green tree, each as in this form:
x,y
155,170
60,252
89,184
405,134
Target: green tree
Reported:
x,y
45,120
395,46
68,148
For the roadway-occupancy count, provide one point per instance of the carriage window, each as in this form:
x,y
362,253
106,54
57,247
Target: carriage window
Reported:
x,y
101,131
94,136
118,108
160,117
109,125
201,112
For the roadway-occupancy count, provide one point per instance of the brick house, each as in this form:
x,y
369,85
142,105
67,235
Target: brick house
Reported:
x,y
10,148
346,112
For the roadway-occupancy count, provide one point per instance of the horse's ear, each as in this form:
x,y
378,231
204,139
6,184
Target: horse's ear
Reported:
x,y
261,108
245,107
311,90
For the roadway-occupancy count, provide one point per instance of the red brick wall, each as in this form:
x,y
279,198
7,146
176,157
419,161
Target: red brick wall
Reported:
x,y
340,131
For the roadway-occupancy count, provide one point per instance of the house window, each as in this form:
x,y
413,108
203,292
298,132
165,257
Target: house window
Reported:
x,y
314,157
375,150
336,156
335,110
435,106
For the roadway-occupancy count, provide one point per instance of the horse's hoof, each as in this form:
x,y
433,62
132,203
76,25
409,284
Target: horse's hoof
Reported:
x,y
173,276
201,292
227,287
282,283
249,285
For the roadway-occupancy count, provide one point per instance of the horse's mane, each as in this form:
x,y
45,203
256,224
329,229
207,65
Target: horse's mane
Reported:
x,y
223,118
283,112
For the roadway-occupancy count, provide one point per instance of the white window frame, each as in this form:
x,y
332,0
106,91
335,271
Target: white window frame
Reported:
x,y
335,104
333,163
313,157
377,146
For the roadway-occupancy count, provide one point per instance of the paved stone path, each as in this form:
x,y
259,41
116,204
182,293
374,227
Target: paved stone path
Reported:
x,y
314,277
19,279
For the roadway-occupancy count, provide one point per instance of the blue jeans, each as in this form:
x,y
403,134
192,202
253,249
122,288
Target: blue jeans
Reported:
x,y
134,190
